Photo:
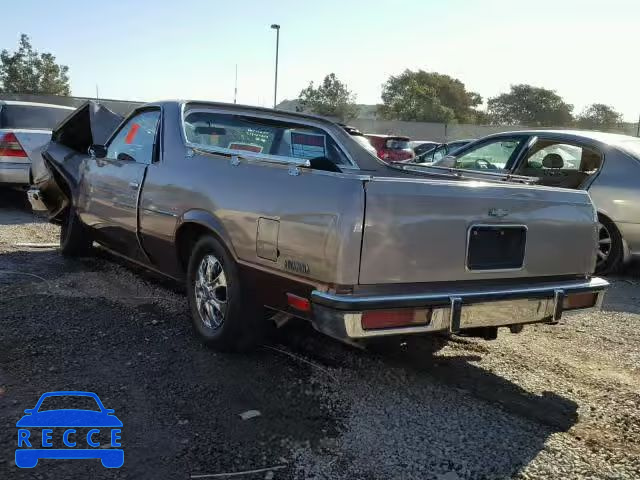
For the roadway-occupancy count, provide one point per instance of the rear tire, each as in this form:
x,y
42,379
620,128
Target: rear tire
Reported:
x,y
224,314
75,238
610,252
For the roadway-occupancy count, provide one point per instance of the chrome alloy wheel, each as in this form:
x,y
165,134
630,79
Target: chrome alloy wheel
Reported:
x,y
604,244
211,292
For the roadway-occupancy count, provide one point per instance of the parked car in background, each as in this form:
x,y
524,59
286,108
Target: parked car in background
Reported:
x,y
606,165
359,137
420,147
24,128
258,210
391,148
441,150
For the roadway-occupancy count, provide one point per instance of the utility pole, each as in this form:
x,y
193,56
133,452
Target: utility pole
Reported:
x,y
638,131
97,95
276,27
235,90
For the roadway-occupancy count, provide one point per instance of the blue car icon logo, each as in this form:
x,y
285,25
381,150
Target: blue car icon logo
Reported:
x,y
69,433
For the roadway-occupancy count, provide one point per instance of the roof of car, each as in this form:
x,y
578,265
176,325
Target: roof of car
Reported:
x,y
35,104
382,135
590,134
238,106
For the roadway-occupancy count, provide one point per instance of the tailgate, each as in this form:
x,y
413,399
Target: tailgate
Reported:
x,y
419,230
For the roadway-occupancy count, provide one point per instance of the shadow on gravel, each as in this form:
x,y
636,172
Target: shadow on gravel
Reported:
x,y
15,208
15,199
624,293
550,409
489,426
179,401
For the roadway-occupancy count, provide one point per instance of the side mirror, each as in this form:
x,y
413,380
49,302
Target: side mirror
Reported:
x,y
109,411
98,151
29,410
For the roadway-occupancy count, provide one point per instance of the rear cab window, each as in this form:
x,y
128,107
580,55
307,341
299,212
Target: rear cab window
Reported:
x,y
32,116
265,137
397,144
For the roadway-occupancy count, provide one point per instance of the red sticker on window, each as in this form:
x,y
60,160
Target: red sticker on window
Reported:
x,y
132,133
248,147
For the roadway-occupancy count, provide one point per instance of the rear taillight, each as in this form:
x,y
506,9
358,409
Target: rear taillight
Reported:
x,y
10,146
575,301
406,317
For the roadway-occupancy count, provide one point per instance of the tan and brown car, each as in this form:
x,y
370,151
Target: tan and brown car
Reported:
x,y
260,210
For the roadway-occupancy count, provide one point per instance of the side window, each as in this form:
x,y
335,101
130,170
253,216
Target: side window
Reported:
x,y
263,136
556,156
439,153
494,155
137,138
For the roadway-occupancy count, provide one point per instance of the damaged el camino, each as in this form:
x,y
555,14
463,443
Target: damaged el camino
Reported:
x,y
261,211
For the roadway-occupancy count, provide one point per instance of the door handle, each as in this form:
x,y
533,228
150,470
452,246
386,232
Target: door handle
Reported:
x,y
134,185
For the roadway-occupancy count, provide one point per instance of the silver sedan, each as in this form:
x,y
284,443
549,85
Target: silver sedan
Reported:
x,y
605,164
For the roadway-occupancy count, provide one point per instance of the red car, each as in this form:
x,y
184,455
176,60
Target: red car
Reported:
x,y
392,148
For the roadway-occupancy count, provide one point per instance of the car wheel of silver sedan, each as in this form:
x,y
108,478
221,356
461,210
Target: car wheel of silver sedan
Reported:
x,y
223,313
609,252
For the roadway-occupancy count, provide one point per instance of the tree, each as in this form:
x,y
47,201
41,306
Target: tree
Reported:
x,y
332,98
599,116
532,106
27,71
428,97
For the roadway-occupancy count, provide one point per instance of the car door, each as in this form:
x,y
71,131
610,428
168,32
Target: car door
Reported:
x,y
112,185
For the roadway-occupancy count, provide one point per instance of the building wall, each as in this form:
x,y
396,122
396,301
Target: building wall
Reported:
x,y
441,132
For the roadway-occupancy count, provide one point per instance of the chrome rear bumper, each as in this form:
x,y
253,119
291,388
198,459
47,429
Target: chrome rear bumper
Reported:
x,y
13,173
340,315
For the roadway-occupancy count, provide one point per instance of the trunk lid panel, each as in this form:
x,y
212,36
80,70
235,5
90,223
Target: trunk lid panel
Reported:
x,y
416,230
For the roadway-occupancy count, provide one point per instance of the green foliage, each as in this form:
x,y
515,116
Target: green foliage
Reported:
x,y
599,116
531,106
428,97
27,71
332,98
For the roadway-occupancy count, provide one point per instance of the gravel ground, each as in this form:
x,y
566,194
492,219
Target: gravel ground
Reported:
x,y
551,402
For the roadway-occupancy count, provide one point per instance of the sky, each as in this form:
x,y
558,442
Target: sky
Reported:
x,y
587,51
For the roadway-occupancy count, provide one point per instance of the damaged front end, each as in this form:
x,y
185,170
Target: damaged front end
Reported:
x,y
56,173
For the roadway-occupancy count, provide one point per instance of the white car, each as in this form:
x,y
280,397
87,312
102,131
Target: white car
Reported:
x,y
24,128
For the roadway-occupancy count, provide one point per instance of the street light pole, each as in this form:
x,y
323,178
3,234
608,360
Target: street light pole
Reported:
x,y
276,27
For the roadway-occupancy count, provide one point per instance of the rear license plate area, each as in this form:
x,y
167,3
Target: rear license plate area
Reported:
x,y
496,247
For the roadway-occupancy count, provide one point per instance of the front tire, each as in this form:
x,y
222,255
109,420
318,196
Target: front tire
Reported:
x,y
223,311
75,238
